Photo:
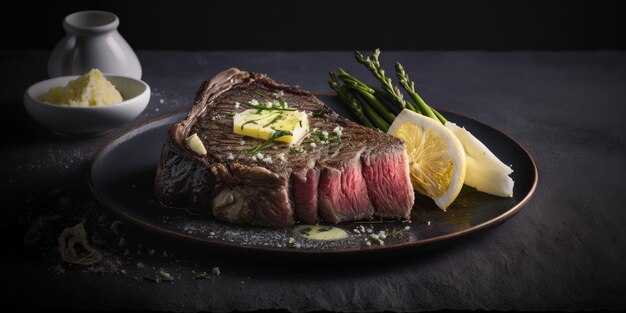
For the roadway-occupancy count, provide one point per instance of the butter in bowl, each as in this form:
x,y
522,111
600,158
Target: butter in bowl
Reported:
x,y
89,105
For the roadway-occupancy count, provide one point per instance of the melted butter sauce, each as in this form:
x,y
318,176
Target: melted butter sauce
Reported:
x,y
320,232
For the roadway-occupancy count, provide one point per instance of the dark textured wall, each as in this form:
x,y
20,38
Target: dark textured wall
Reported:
x,y
332,25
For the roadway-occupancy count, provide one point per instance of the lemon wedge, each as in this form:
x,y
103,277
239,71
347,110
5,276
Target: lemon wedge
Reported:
x,y
437,163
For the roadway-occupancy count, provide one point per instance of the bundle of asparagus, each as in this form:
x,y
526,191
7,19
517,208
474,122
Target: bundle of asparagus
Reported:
x,y
378,108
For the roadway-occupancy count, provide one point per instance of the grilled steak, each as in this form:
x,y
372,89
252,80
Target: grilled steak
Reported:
x,y
363,174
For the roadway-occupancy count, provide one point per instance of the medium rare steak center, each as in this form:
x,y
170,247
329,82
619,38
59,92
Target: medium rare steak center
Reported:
x,y
323,168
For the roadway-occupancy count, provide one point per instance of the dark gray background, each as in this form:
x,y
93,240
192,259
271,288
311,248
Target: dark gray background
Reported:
x,y
335,25
565,250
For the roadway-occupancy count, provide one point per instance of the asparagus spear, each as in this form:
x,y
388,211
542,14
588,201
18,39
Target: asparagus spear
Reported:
x,y
371,113
365,97
373,65
440,117
355,97
381,96
347,97
368,94
388,100
409,86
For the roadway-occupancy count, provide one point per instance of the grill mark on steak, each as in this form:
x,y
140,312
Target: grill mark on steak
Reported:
x,y
363,174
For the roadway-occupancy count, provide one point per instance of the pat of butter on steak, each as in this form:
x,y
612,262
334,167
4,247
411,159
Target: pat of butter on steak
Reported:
x,y
363,174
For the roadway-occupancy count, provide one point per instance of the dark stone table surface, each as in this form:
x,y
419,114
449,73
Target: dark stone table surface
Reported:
x,y
565,250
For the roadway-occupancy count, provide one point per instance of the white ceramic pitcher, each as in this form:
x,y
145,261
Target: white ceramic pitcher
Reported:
x,y
92,41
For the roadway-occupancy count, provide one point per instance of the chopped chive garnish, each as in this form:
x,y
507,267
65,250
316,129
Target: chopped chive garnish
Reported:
x,y
318,113
262,107
324,229
248,122
277,134
278,117
319,134
258,119
396,232
262,94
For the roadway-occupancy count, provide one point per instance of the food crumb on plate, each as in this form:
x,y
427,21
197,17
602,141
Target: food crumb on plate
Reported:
x,y
216,271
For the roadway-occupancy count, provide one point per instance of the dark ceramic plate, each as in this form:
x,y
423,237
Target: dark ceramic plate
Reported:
x,y
122,171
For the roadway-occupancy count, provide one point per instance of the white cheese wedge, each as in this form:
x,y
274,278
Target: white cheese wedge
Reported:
x,y
262,124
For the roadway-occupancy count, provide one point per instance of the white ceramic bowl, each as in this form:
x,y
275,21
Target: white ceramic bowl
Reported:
x,y
87,121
